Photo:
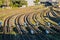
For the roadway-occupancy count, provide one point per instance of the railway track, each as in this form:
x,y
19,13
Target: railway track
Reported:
x,y
40,35
32,26
6,24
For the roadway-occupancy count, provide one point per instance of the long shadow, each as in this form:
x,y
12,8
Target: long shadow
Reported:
x,y
57,20
54,19
32,37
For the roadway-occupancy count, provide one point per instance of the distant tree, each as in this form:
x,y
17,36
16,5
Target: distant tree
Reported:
x,y
1,2
4,3
36,2
18,3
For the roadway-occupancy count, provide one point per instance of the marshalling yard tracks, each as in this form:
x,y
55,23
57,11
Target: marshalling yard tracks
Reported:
x,y
34,25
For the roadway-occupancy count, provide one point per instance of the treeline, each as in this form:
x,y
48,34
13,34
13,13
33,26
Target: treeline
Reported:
x,y
15,3
18,3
